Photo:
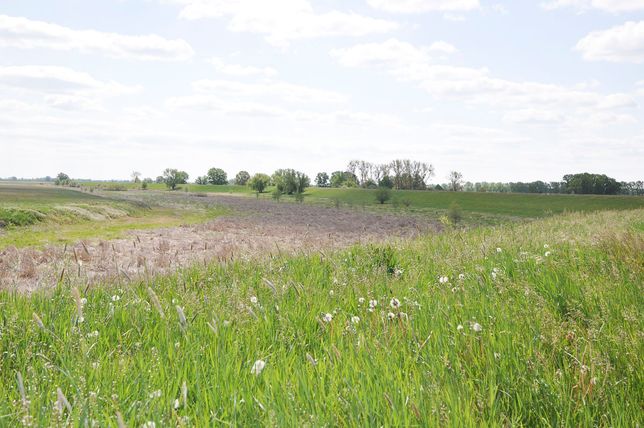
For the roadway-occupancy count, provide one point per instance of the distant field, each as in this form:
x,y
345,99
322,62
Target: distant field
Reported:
x,y
37,215
505,204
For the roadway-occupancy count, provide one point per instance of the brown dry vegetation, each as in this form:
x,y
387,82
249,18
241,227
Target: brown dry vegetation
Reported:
x,y
256,228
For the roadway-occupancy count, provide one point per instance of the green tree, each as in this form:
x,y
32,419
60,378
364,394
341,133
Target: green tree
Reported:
x,y
289,181
173,177
202,180
242,178
217,176
62,179
259,182
322,179
455,181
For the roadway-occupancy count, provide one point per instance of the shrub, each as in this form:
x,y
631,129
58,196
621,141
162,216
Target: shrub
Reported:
x,y
277,194
383,194
259,182
299,197
173,177
454,213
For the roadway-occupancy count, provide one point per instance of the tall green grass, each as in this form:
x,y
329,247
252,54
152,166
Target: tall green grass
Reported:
x,y
543,328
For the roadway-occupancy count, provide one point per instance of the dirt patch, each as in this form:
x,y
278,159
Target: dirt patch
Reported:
x,y
257,228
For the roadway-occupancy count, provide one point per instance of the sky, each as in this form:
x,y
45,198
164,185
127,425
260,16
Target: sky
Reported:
x,y
498,90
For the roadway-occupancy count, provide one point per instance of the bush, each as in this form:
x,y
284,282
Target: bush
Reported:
x,y
383,195
406,202
454,213
277,194
259,182
299,197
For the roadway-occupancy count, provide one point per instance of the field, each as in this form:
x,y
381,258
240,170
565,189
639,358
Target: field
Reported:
x,y
362,316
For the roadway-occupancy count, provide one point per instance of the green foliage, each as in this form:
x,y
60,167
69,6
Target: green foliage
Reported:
x,y
173,177
289,181
387,182
259,182
144,185
343,179
455,213
299,197
20,217
62,179
217,176
382,195
242,177
322,179
202,180
596,184
277,194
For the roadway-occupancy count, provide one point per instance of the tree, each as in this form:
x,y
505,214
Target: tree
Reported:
x,y
586,183
289,181
62,179
202,180
217,176
242,178
160,179
386,181
322,179
455,181
259,182
173,177
136,176
383,195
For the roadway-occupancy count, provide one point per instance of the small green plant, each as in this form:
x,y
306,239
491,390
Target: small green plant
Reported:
x,y
406,202
277,194
383,194
144,185
454,213
299,197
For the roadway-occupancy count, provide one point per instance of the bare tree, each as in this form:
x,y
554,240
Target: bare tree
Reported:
x,y
455,181
364,171
136,176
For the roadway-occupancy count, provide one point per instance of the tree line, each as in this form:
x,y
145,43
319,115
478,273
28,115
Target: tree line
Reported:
x,y
400,174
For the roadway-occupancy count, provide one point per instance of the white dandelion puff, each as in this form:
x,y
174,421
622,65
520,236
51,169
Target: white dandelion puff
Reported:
x,y
361,300
391,315
443,279
253,300
355,319
547,253
394,303
498,250
258,367
327,317
459,327
461,276
477,327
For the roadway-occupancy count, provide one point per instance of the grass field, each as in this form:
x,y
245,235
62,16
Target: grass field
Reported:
x,y
39,215
495,204
537,324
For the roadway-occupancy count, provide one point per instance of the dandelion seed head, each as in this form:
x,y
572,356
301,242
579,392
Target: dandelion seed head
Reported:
x,y
459,327
477,327
258,367
394,303
327,317
498,250
253,300
355,319
361,300
391,315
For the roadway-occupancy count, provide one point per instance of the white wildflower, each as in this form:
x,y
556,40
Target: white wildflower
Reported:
x,y
327,317
373,303
498,250
391,315
459,327
258,367
116,298
443,279
253,300
155,394
546,246
461,276
477,327
547,253
355,319
361,300
394,303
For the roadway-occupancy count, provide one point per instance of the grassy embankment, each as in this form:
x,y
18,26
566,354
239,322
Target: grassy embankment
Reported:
x,y
543,329
39,215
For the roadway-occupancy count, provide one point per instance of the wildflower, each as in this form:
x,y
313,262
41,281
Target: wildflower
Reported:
x,y
546,246
327,318
477,327
116,298
394,303
83,301
547,253
155,394
399,271
93,334
355,319
461,276
361,300
253,300
331,293
498,250
258,367
391,315
493,275
373,303
459,327
402,315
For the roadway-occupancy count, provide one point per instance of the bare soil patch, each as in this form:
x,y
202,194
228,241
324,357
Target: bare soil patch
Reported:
x,y
256,228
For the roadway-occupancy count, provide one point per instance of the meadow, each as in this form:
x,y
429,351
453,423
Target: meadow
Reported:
x,y
529,323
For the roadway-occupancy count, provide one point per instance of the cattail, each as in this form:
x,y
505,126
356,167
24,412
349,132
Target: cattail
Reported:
x,y
79,304
21,388
182,318
62,401
119,420
38,321
155,302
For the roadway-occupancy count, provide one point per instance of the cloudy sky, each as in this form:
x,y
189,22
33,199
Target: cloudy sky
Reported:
x,y
499,90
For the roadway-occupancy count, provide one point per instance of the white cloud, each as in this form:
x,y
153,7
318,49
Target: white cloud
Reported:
x,y
477,86
58,80
532,116
442,47
611,6
28,34
624,43
241,70
420,6
282,21
288,92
